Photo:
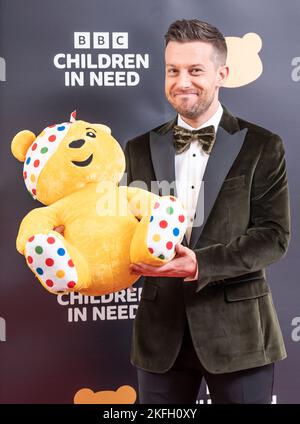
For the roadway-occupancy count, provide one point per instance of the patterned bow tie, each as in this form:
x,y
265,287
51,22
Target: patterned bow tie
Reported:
x,y
183,138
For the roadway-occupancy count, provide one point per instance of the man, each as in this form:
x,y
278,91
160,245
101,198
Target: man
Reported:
x,y
209,312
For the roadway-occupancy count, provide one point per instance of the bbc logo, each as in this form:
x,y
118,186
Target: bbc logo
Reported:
x,y
101,40
2,69
2,330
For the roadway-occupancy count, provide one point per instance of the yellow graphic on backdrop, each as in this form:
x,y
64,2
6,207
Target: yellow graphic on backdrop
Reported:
x,y
123,395
244,63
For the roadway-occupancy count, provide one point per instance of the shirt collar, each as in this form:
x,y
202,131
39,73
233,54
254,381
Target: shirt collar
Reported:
x,y
214,120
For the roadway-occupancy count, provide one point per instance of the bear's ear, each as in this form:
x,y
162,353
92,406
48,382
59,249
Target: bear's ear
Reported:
x,y
103,128
21,143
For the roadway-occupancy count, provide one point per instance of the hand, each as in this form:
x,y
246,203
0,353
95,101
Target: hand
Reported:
x,y
60,229
183,265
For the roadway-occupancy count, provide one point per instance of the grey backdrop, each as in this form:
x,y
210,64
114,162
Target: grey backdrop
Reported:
x,y
43,357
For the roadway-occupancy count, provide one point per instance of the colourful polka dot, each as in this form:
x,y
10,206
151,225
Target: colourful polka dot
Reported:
x,y
32,178
42,133
60,274
71,284
169,245
29,259
40,271
49,283
170,210
31,238
151,218
52,126
163,224
61,128
150,249
49,262
28,161
156,237
156,205
61,251
175,231
44,149
34,146
34,191
25,175
51,240
52,138
172,198
181,218
36,163
39,250
70,263
161,256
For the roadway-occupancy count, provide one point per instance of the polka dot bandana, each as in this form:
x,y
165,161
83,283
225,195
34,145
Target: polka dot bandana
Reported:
x,y
48,258
167,227
44,146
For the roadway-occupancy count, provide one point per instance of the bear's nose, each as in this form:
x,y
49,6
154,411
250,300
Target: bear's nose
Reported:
x,y
76,144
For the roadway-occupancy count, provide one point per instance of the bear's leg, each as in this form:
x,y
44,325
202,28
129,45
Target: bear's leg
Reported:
x,y
155,237
58,265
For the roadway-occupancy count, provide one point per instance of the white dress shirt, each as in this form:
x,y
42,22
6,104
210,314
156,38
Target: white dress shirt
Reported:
x,y
189,169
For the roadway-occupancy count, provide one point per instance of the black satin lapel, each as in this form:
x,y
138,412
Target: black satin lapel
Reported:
x,y
163,153
225,150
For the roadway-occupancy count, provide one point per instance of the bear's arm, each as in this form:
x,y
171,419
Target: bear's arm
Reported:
x,y
140,201
39,220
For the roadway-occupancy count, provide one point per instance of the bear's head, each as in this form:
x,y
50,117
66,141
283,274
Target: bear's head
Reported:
x,y
65,157
243,60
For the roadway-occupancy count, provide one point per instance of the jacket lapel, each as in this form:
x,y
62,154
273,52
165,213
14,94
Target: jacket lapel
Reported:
x,y
163,153
229,141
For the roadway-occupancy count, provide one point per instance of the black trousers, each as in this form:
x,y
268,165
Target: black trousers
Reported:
x,y
180,385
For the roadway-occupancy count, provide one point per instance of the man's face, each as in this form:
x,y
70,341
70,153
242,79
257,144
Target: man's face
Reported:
x,y
193,77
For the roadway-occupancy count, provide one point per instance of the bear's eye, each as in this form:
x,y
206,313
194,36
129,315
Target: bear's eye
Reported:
x,y
91,134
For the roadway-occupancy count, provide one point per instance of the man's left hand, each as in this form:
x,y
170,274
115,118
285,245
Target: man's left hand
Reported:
x,y
183,265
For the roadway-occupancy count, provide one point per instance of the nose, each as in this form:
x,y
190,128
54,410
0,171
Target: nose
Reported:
x,y
76,144
184,80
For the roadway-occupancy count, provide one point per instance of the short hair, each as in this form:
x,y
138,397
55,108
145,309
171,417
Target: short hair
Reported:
x,y
194,30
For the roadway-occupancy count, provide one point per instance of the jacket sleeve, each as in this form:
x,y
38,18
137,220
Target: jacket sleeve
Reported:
x,y
267,237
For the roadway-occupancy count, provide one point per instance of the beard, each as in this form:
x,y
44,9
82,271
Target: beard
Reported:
x,y
193,111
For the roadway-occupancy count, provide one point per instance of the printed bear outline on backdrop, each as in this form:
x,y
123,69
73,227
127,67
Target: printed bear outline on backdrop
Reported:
x,y
123,395
243,60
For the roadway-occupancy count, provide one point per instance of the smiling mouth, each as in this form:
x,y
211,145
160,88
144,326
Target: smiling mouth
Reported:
x,y
83,162
186,94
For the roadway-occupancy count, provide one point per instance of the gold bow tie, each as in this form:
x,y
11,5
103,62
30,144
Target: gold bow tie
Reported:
x,y
183,138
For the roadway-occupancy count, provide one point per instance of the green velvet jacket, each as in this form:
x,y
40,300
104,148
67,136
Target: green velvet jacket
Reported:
x,y
245,227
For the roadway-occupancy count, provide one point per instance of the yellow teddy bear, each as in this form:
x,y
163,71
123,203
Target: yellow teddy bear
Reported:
x,y
91,229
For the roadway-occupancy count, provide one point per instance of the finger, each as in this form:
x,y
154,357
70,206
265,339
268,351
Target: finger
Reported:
x,y
151,268
148,270
141,269
60,229
179,249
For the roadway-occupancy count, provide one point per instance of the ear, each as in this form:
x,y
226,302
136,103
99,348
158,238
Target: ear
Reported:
x,y
223,73
103,128
21,143
253,41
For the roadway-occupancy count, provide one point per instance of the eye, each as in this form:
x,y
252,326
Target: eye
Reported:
x,y
196,71
172,71
91,134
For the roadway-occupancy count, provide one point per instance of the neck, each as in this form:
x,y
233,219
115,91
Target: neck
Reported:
x,y
204,117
